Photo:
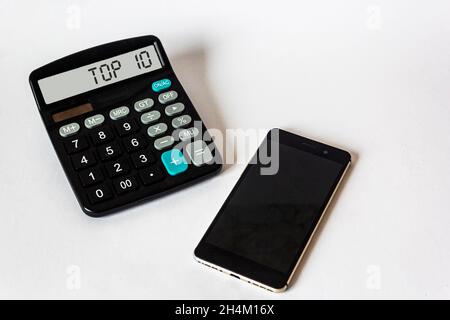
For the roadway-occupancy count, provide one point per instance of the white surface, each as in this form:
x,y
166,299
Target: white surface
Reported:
x,y
372,77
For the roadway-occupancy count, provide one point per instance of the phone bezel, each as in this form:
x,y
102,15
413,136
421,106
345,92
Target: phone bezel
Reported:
x,y
249,270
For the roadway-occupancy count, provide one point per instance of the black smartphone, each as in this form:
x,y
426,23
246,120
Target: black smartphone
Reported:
x,y
269,218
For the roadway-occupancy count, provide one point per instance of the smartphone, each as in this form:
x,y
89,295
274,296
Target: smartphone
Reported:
x,y
265,225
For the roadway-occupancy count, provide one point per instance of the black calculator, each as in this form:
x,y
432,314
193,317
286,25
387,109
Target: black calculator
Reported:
x,y
122,125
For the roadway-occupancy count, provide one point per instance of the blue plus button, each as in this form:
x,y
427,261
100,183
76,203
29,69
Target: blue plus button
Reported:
x,y
161,85
174,162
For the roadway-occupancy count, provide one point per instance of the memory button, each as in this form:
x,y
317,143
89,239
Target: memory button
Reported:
x,y
69,129
118,113
94,121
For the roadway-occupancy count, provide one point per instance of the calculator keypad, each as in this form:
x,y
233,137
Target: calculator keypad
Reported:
x,y
83,160
76,144
109,151
90,177
117,168
126,127
102,135
127,148
99,194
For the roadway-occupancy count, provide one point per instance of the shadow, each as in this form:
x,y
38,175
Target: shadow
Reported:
x,y
191,69
329,210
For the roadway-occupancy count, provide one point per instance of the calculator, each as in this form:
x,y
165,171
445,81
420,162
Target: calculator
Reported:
x,y
122,125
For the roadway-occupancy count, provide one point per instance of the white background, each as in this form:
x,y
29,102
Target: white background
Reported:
x,y
372,77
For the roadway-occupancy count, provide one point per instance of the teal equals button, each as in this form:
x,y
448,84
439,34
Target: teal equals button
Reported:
x,y
174,162
161,85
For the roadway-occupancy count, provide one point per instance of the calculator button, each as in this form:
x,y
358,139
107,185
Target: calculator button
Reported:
x,y
125,184
69,129
76,144
102,135
94,121
119,113
161,85
174,162
117,168
109,151
134,143
142,159
150,117
157,130
99,193
199,153
91,176
174,109
83,160
181,121
167,97
151,175
127,127
187,134
164,142
143,104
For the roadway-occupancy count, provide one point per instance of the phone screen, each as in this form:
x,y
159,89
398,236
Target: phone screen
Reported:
x,y
269,218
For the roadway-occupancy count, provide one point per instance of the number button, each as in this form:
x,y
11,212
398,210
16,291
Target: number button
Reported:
x,y
76,144
134,143
91,176
99,193
102,135
142,159
126,127
109,151
83,160
117,168
125,184
151,175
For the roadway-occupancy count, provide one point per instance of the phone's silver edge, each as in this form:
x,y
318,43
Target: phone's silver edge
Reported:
x,y
278,290
318,223
241,277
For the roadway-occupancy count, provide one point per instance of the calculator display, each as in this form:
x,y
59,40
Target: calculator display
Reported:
x,y
99,74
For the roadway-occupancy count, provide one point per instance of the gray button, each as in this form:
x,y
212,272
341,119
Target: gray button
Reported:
x,y
199,152
157,130
150,117
94,121
181,121
119,112
143,104
174,109
167,97
69,129
164,142
187,134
